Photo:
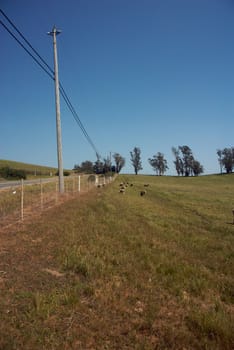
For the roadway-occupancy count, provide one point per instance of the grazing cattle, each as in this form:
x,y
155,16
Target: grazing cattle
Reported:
x,y
142,193
122,190
146,185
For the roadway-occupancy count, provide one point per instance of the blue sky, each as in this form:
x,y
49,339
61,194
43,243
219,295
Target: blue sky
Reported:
x,y
147,73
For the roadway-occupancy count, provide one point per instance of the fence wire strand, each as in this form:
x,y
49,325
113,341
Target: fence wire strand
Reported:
x,y
22,201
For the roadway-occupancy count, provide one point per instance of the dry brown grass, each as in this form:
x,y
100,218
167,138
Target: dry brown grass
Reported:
x,y
108,271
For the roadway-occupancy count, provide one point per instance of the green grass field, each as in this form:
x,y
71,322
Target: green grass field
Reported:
x,y
36,170
123,271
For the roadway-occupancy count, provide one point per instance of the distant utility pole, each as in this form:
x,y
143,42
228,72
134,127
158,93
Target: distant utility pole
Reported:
x,y
53,33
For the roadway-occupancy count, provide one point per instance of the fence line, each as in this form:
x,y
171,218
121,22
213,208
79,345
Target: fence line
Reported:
x,y
23,200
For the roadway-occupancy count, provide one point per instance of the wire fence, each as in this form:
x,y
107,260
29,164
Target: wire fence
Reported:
x,y
23,200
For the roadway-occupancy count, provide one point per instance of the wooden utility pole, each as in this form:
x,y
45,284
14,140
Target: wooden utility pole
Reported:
x,y
53,33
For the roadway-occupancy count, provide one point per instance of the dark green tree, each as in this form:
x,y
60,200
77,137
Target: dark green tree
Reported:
x,y
85,167
136,159
98,167
9,173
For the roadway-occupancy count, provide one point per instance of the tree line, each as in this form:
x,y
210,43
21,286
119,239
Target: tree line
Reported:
x,y
185,163
101,166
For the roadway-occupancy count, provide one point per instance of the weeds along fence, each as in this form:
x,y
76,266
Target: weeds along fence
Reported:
x,y
23,200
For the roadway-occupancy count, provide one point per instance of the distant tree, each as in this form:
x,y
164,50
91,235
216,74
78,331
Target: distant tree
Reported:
x,y
119,162
85,167
76,168
158,163
9,173
178,162
197,168
136,159
113,169
226,159
65,173
98,166
185,163
187,158
106,165
219,153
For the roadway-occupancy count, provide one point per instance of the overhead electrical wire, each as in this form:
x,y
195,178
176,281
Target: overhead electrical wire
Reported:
x,y
62,90
28,52
27,42
76,117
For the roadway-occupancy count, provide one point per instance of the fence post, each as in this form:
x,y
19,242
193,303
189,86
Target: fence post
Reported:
x,y
73,187
56,192
41,195
79,183
22,200
96,180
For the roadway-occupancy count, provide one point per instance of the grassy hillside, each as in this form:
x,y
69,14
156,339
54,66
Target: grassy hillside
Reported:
x,y
124,271
29,168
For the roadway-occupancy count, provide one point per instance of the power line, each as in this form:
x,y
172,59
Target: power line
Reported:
x,y
27,42
28,52
77,119
62,90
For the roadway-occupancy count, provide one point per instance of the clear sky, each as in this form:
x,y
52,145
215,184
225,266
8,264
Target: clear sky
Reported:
x,y
147,73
